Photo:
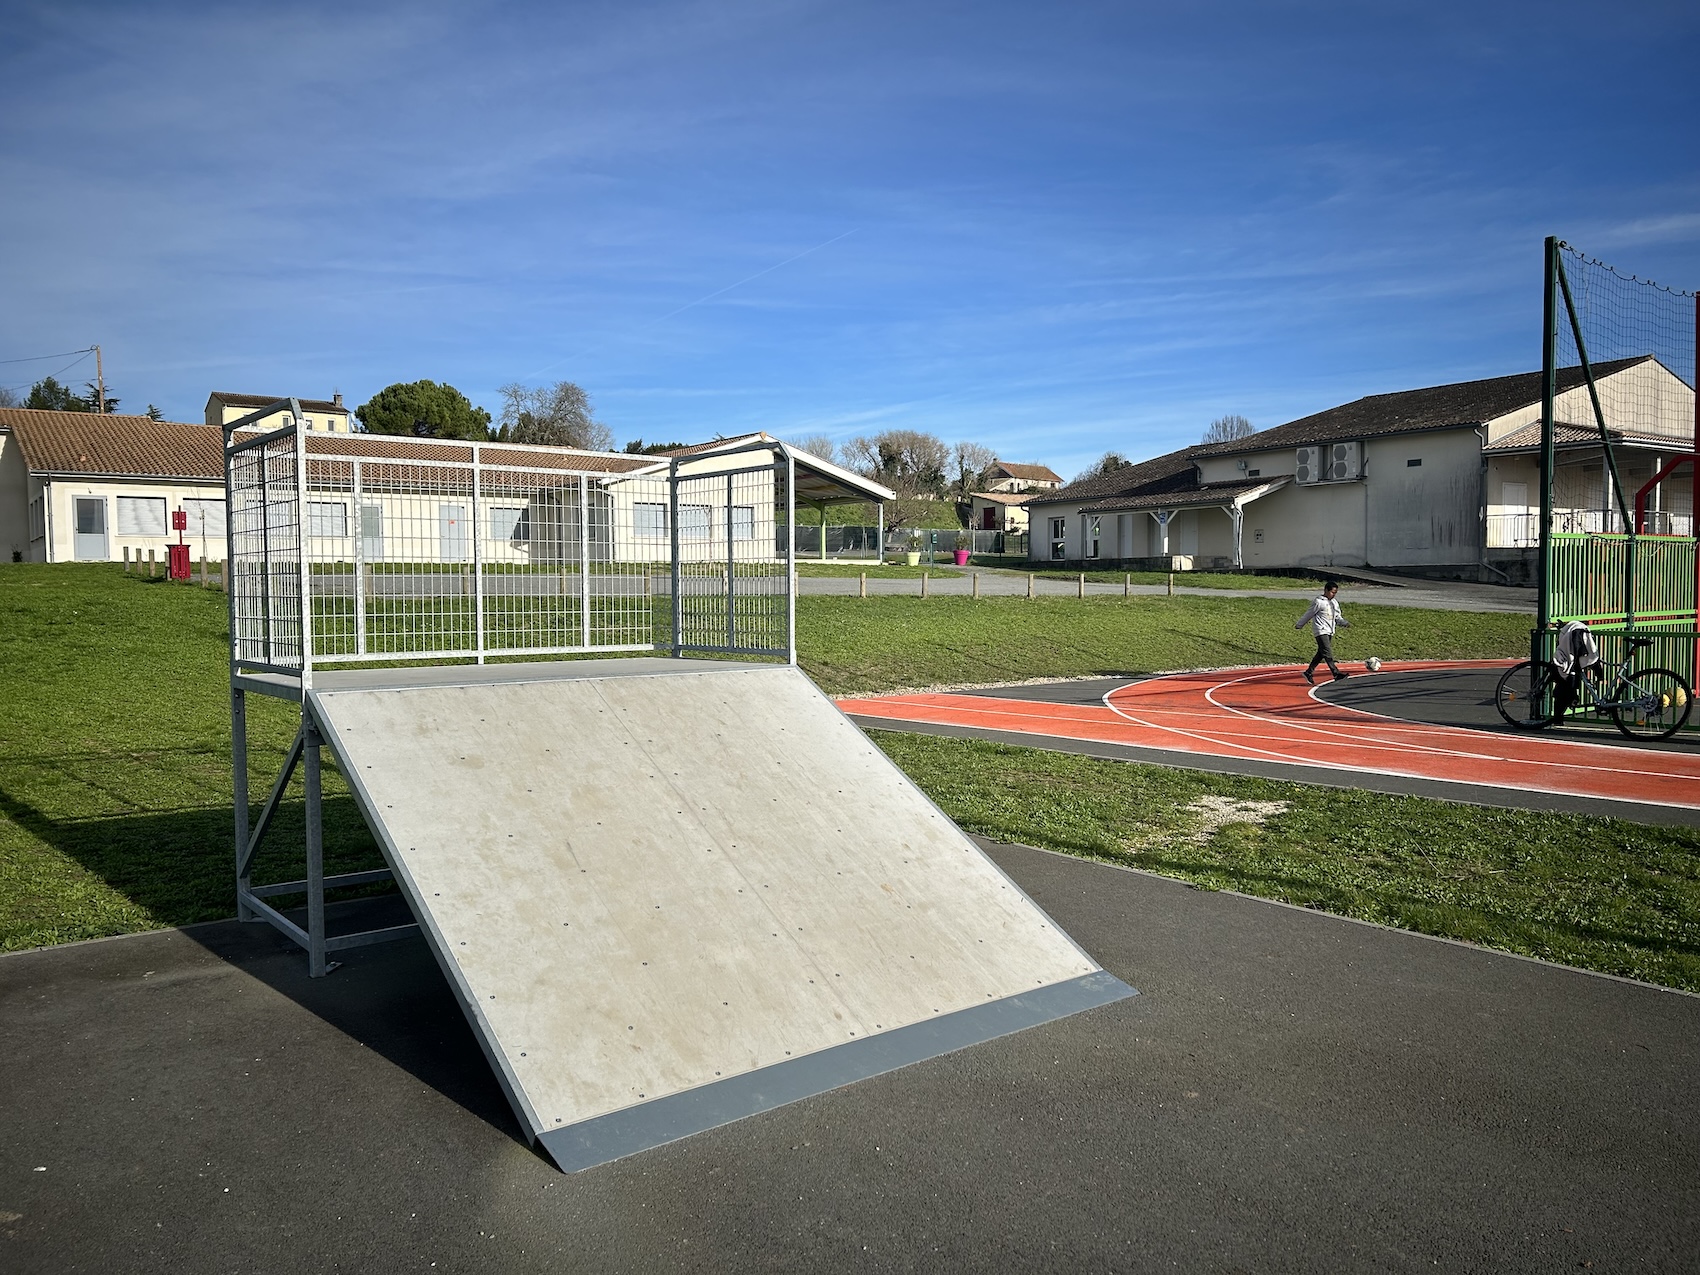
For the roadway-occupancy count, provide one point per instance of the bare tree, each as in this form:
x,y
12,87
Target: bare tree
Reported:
x,y
817,445
9,397
971,461
559,415
909,462
1225,429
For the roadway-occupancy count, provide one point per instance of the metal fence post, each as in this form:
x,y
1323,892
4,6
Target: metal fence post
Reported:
x,y
315,847
731,574
791,557
301,546
477,561
673,535
239,795
359,567
584,559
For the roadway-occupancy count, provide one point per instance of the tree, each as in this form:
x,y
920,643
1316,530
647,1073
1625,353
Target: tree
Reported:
x,y
558,414
423,409
1108,463
637,447
817,445
9,397
909,462
1225,429
971,461
47,395
93,397
154,414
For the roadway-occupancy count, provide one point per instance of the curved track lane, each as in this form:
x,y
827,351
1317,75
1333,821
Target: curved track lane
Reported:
x,y
1270,714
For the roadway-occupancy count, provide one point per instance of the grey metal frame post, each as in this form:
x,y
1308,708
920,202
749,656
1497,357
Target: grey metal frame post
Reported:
x,y
301,526
359,566
477,566
791,554
1549,395
584,558
731,572
673,536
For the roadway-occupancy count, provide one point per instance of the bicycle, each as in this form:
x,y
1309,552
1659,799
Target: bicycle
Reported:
x,y
1649,703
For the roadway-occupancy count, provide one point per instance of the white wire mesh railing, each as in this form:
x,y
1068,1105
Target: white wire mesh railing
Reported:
x,y
370,550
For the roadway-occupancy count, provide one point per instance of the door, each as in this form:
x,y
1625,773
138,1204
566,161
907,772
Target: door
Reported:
x,y
1519,527
91,529
452,532
372,533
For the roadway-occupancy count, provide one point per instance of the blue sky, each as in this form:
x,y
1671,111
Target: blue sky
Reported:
x,y
1055,229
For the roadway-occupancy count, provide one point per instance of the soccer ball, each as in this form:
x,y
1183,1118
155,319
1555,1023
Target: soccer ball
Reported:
x,y
1373,664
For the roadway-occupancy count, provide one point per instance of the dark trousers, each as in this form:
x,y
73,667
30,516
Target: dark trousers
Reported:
x,y
1324,654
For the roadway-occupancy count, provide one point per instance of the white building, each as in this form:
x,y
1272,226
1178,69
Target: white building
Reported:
x,y
1441,481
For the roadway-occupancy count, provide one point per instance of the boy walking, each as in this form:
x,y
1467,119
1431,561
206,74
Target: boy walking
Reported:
x,y
1324,617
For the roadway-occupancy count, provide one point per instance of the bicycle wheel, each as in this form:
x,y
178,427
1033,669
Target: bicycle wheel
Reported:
x,y
1659,704
1524,696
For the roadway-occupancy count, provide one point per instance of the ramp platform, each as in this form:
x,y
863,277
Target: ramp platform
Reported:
x,y
672,893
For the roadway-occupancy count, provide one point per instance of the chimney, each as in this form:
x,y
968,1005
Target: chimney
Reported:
x,y
336,398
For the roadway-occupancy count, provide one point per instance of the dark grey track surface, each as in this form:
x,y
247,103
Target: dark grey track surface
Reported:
x,y
1290,1092
1447,697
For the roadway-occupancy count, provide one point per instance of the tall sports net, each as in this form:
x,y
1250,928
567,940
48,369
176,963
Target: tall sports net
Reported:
x,y
1618,468
1619,492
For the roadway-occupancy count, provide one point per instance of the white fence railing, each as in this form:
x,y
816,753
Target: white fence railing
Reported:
x,y
1523,530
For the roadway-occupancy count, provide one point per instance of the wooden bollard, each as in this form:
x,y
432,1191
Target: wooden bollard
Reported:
x,y
150,564
203,569
864,584
1127,585
126,559
1082,592
976,576
923,584
1030,578
1171,584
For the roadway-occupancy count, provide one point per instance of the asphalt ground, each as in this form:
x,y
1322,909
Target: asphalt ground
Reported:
x,y
1449,697
1290,1092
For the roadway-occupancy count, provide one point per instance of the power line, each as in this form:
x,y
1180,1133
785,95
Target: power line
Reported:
x,y
42,358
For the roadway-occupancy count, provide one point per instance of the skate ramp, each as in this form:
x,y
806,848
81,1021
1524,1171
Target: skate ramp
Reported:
x,y
673,893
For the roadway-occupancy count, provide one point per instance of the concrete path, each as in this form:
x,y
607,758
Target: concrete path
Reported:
x,y
1291,1092
945,581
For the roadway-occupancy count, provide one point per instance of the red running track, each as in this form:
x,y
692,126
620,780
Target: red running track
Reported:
x,y
1270,714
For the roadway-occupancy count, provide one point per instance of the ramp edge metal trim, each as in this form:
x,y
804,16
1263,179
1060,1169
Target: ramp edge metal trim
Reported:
x,y
652,1124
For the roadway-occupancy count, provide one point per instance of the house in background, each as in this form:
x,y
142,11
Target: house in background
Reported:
x,y
998,511
1008,478
1441,481
316,413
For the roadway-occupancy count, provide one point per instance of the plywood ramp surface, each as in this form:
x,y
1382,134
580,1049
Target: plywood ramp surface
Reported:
x,y
705,890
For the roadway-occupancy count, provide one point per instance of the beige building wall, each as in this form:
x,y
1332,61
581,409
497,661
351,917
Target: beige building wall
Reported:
x,y
320,420
14,501
60,496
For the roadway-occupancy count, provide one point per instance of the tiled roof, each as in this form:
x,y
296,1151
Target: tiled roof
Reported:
x,y
1004,497
714,445
252,401
1209,494
1528,437
137,447
1436,407
1033,473
131,446
1172,472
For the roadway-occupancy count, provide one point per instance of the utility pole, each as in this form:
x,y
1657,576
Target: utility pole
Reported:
x,y
99,381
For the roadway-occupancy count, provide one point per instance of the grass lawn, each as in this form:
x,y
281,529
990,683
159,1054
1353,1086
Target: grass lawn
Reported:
x,y
115,797
850,646
1603,894
850,570
1197,579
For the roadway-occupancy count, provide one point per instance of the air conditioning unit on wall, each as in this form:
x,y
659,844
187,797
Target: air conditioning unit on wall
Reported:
x,y
1309,465
1343,462
1329,463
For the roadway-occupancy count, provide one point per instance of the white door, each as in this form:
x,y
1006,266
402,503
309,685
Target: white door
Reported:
x,y
452,532
91,529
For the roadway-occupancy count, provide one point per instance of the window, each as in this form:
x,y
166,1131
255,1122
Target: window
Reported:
x,y
1057,528
141,515
1059,543
743,522
38,519
649,520
327,518
507,522
1253,473
1413,464
693,522
206,519
307,421
1093,527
